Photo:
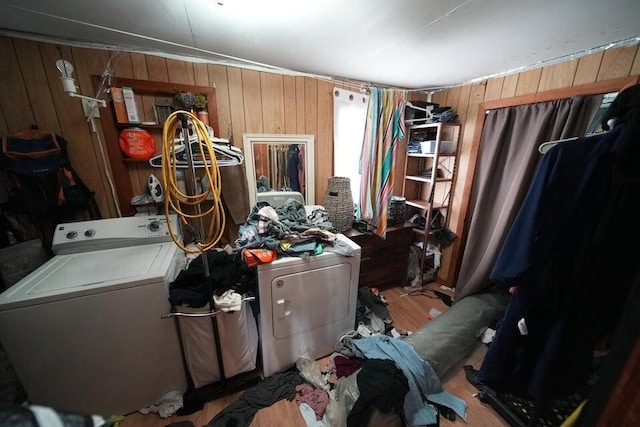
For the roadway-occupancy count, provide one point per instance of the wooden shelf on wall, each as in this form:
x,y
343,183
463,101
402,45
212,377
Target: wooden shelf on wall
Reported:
x,y
111,128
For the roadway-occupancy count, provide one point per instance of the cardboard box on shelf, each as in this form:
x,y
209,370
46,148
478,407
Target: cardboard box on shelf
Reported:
x,y
130,104
118,105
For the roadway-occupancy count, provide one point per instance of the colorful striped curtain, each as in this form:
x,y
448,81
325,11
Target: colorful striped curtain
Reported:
x,y
384,128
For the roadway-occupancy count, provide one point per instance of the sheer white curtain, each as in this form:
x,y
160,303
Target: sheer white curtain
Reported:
x,y
349,117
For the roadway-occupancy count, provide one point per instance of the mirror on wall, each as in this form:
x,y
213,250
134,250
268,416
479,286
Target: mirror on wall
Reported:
x,y
279,162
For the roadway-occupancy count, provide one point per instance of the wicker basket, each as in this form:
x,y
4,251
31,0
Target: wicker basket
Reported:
x,y
338,203
396,210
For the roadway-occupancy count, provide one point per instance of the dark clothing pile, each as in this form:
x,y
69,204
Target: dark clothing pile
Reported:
x,y
382,385
271,390
226,272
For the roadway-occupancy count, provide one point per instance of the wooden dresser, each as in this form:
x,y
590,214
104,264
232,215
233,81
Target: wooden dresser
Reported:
x,y
383,261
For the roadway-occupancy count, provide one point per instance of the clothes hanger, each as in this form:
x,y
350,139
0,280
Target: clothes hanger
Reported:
x,y
226,154
546,146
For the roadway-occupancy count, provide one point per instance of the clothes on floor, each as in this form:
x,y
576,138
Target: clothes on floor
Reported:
x,y
422,379
374,303
317,399
271,390
347,347
166,406
309,416
346,366
382,385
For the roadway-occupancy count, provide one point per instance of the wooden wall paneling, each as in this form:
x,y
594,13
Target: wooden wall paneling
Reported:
x,y
156,68
73,125
218,78
12,89
180,72
252,101
290,107
300,106
598,87
123,66
92,169
201,75
587,69
467,155
324,138
463,111
509,86
440,97
558,75
616,63
311,128
138,66
493,89
32,70
453,96
528,82
236,103
272,101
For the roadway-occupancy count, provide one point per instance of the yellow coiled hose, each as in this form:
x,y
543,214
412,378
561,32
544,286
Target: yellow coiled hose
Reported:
x,y
185,205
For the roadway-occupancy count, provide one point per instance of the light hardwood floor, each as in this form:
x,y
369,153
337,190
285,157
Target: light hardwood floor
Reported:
x,y
407,312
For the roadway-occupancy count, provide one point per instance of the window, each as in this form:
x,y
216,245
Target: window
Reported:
x,y
349,118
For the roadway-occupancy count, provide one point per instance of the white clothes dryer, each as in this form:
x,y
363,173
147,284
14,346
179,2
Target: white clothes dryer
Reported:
x,y
306,303
84,331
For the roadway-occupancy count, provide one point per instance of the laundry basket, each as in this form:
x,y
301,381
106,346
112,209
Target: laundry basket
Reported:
x,y
338,203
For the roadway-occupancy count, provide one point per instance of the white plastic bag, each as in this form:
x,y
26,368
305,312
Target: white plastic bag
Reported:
x,y
309,369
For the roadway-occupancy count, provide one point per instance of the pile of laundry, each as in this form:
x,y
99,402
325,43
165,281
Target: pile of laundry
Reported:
x,y
374,381
289,231
372,315
371,379
229,279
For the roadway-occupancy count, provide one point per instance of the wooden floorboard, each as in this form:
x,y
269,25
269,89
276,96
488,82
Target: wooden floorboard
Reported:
x,y
409,312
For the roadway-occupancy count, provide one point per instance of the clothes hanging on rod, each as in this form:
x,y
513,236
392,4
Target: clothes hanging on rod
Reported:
x,y
566,257
226,154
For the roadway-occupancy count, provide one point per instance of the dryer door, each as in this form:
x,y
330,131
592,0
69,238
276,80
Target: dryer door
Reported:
x,y
310,299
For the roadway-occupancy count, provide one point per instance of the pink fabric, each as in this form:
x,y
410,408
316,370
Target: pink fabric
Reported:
x,y
317,399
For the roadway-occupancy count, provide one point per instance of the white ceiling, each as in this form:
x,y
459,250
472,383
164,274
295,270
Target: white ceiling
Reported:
x,y
413,44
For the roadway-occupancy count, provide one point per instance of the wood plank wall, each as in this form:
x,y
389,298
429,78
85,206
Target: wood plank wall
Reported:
x,y
248,101
597,67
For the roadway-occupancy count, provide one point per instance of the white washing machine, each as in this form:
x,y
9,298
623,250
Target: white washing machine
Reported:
x,y
306,303
84,331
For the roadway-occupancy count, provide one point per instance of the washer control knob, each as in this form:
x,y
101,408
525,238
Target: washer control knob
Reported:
x,y
90,232
155,226
72,235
